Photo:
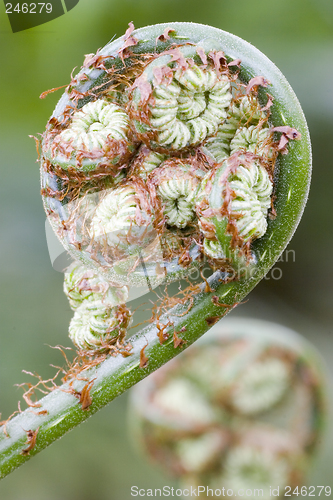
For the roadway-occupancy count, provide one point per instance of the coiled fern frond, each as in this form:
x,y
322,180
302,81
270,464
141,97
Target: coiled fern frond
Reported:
x,y
163,95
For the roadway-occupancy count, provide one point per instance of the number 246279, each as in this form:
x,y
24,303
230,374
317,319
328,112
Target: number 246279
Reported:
x,y
29,8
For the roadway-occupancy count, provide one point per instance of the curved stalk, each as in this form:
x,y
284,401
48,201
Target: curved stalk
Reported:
x,y
60,411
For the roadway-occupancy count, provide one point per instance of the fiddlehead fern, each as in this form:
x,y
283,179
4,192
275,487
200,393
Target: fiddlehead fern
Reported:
x,y
82,285
100,315
183,111
244,111
214,417
64,188
177,184
252,139
123,220
244,196
97,133
96,327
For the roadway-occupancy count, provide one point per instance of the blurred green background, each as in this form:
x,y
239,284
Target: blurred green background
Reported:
x,y
97,460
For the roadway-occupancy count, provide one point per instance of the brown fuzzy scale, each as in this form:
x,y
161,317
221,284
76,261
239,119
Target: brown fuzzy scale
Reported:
x,y
3,423
183,297
181,251
76,183
92,61
121,80
152,202
34,404
143,201
151,136
89,359
31,441
143,358
110,255
85,397
162,334
163,75
263,122
220,62
272,213
178,341
73,370
255,82
165,35
185,260
225,266
211,320
138,161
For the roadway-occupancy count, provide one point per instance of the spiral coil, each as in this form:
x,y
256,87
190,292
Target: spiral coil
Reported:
x,y
251,189
133,181
190,108
145,162
245,112
93,327
213,249
83,286
177,188
121,223
84,144
251,139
